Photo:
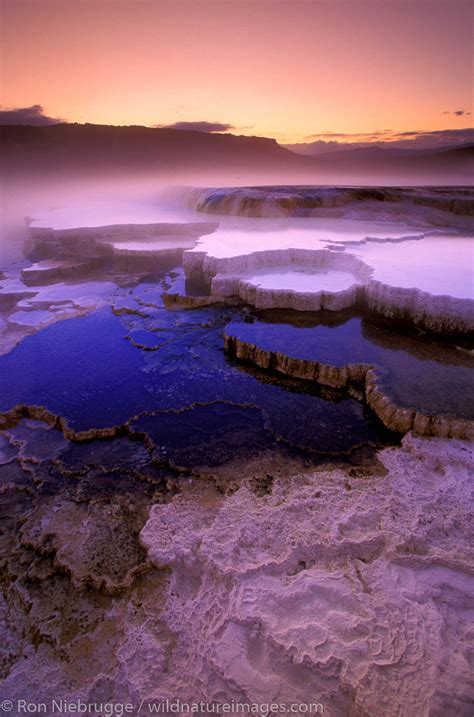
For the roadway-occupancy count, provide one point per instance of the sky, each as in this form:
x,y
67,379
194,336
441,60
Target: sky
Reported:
x,y
295,70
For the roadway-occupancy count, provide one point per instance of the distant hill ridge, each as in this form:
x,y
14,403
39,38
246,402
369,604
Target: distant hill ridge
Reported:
x,y
111,138
377,153
85,149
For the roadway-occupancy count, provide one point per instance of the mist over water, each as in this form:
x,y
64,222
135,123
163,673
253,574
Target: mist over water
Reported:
x,y
87,200
59,165
139,198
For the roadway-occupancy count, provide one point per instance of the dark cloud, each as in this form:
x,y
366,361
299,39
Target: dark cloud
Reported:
x,y
414,133
357,137
33,115
457,113
200,126
434,138
330,134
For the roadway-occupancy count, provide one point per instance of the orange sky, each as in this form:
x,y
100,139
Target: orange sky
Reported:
x,y
281,68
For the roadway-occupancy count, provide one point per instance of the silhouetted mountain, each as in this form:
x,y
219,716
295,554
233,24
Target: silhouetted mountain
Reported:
x,y
102,148
451,165
389,154
70,150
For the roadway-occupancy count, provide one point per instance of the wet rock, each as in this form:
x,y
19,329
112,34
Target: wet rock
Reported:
x,y
302,201
361,377
46,271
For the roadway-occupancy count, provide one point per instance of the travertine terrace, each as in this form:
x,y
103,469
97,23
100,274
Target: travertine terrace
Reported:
x,y
236,451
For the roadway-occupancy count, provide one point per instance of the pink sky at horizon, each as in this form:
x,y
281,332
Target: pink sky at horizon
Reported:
x,y
288,69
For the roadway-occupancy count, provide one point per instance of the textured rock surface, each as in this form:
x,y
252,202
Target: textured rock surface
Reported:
x,y
307,201
298,290
432,312
409,270
48,270
356,591
229,275
352,588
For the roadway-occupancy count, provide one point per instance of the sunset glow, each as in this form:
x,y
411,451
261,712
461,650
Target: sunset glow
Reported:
x,y
293,70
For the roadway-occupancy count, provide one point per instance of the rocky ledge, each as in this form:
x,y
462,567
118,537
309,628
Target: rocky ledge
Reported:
x,y
239,276
361,380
